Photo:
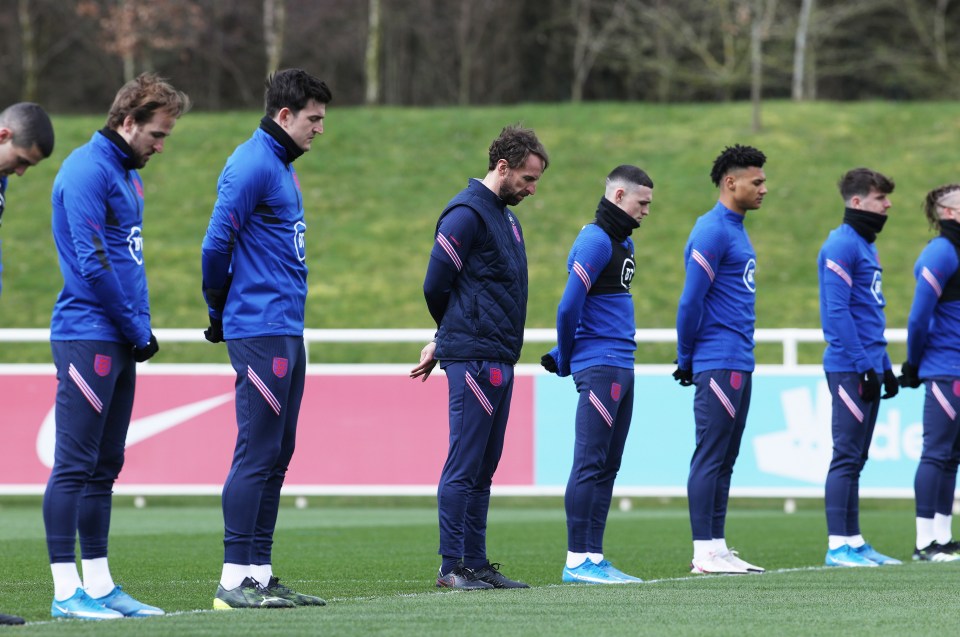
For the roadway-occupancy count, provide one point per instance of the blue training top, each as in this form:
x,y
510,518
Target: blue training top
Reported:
x,y
934,322
716,314
97,228
851,303
256,233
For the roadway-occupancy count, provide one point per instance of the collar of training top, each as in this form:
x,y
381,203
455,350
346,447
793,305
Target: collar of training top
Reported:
x,y
614,220
128,161
867,224
276,131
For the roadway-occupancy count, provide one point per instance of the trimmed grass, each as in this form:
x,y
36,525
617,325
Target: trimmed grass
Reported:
x,y
373,559
376,181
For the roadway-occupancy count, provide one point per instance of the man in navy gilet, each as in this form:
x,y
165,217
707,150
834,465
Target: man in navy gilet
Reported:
x,y
476,291
255,284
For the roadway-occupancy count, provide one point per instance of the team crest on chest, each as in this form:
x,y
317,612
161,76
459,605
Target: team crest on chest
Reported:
x,y
749,271
876,287
516,231
279,367
102,364
956,388
496,376
615,390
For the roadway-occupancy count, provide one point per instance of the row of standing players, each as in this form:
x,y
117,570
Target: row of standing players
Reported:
x,y
476,291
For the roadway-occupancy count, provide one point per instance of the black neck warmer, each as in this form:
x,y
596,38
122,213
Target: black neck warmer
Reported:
x,y
614,221
130,161
276,131
950,230
867,224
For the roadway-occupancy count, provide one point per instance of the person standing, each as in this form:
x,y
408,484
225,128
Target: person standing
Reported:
x,y
596,340
855,359
99,330
933,359
715,325
476,291
255,285
26,138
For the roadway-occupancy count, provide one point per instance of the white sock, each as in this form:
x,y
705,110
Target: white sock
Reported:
x,y
836,541
925,532
942,527
575,559
262,573
720,546
856,541
596,558
702,549
66,580
233,575
96,577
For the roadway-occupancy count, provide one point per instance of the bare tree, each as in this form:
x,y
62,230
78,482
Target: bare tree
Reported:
x,y
274,22
590,42
28,44
761,20
800,49
372,63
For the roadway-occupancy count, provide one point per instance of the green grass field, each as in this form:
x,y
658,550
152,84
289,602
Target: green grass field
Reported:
x,y
374,559
376,181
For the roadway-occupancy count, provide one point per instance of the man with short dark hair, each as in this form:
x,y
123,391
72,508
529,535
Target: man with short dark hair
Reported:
x,y
255,285
595,343
476,291
855,360
26,138
715,324
99,331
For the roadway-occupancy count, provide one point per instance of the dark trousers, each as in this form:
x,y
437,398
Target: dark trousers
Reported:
x,y
96,381
853,423
269,390
604,411
720,408
936,477
480,393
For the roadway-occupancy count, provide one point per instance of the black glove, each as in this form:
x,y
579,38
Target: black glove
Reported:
x,y
214,333
549,363
909,376
869,386
683,376
141,354
890,384
216,298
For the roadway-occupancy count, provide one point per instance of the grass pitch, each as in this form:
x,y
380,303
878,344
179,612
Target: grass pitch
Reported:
x,y
374,560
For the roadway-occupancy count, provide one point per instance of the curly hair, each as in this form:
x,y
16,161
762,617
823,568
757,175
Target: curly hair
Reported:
x,y
515,144
934,200
735,157
143,96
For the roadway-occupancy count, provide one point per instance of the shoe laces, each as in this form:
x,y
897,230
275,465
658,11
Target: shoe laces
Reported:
x,y
275,585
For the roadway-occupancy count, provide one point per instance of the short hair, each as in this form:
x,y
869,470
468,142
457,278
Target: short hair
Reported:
x,y
860,181
143,96
515,144
933,200
31,126
735,157
628,175
293,88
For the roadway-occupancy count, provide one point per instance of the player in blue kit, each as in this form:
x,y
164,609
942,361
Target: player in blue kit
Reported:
x,y
596,334
855,359
99,330
255,284
933,358
715,324
476,291
26,138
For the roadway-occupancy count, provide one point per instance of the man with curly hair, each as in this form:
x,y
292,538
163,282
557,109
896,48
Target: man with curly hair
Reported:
x,y
715,324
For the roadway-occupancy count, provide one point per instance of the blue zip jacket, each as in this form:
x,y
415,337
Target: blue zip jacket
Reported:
x,y
97,228
851,303
256,233
716,314
477,293
934,322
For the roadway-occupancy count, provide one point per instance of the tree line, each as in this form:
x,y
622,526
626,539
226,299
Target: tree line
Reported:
x,y
71,55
